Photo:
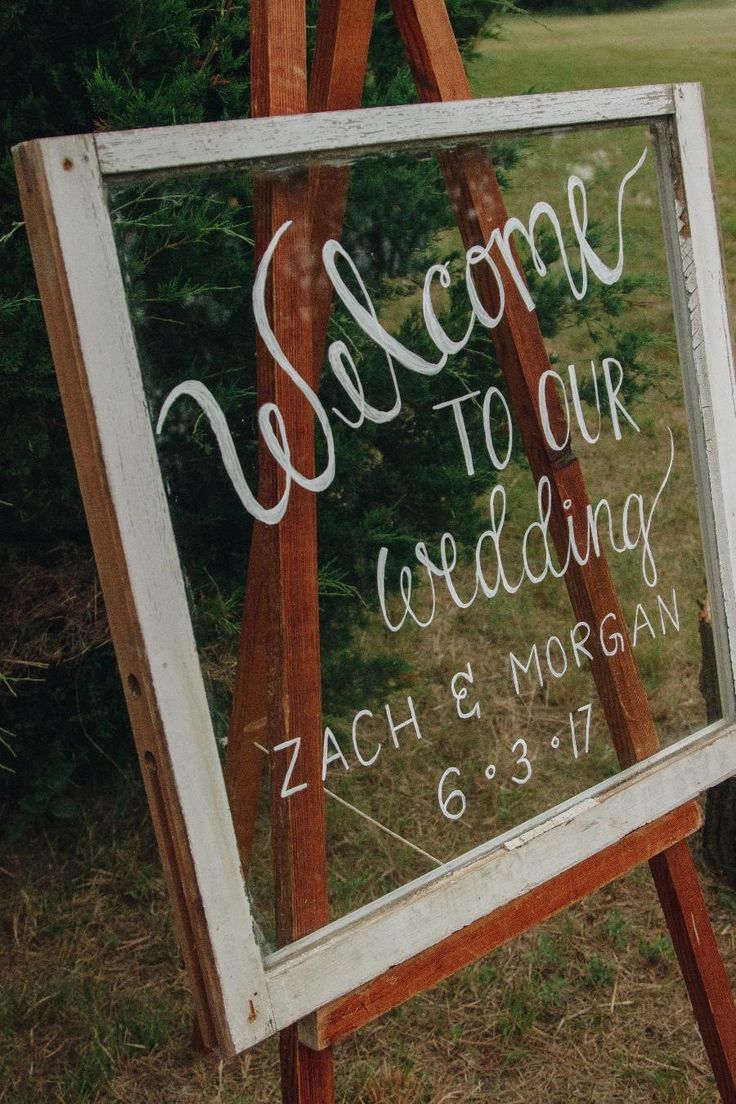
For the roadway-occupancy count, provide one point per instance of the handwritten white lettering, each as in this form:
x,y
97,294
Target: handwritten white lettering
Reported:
x,y
635,532
271,425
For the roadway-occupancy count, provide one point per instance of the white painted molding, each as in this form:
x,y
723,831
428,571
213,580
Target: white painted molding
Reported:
x,y
366,943
339,134
308,974
131,468
707,314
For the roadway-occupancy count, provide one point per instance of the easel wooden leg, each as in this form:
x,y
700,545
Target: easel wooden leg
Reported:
x,y
294,685
288,569
279,83
686,912
307,1076
336,82
245,762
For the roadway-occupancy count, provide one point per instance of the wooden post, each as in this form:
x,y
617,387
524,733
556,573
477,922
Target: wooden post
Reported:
x,y
278,55
336,83
338,75
289,566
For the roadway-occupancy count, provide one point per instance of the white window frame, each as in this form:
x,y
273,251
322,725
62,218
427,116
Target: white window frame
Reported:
x,y
263,994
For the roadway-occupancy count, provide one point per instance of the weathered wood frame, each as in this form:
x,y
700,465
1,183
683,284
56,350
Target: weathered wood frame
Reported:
x,y
628,818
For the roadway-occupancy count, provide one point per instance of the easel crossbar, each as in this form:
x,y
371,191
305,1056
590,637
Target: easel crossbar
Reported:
x,y
342,1017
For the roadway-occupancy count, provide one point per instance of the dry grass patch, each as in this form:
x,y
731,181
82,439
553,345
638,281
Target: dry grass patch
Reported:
x,y
94,1005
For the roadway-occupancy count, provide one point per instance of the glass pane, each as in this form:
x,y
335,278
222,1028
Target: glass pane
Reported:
x,y
458,700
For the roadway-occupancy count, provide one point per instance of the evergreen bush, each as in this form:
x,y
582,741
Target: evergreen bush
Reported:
x,y
118,64
73,67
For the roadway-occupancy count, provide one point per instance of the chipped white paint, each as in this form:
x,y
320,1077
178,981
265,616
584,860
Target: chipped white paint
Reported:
x,y
695,261
553,821
129,459
713,360
333,135
348,953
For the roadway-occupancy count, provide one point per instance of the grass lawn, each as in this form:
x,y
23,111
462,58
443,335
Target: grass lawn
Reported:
x,y
679,41
590,1007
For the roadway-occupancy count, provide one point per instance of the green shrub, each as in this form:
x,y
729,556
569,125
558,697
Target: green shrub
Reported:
x,y
120,64
71,67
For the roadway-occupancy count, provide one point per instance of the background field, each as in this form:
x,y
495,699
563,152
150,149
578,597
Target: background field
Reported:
x,y
588,1008
680,40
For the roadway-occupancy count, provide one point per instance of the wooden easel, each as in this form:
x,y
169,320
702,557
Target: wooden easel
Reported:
x,y
282,589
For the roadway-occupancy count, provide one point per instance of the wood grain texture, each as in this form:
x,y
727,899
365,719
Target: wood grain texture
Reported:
x,y
686,912
339,1020
94,354
318,137
293,663
288,551
336,82
340,55
244,763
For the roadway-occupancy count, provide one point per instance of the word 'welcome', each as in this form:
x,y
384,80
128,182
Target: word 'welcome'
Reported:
x,y
498,250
